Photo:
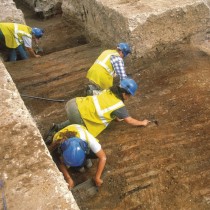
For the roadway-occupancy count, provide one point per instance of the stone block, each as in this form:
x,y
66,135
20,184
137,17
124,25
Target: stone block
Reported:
x,y
9,12
144,24
31,179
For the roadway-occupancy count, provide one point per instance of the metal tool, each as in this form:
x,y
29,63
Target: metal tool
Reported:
x,y
155,121
38,49
42,98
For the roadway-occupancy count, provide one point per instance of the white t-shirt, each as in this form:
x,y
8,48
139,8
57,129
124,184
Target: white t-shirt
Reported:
x,y
27,41
93,143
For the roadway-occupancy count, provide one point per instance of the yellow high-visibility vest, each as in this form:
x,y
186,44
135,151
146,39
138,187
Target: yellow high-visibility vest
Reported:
x,y
13,33
80,132
101,72
96,110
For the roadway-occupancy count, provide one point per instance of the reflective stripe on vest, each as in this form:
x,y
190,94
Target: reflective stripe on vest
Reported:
x,y
17,32
81,131
101,112
84,134
13,33
103,63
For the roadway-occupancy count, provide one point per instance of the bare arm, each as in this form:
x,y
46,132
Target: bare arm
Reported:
x,y
53,146
62,167
135,122
32,53
66,174
101,164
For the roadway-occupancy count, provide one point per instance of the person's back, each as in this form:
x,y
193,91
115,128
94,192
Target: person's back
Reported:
x,y
14,32
96,110
18,37
107,66
74,146
101,72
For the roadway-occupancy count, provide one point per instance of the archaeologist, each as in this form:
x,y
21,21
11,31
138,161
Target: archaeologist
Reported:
x,y
108,65
74,146
18,37
96,112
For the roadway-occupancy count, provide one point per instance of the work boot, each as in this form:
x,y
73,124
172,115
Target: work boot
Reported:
x,y
88,163
96,92
89,90
92,90
49,136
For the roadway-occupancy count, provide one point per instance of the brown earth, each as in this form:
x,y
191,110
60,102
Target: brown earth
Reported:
x,y
157,167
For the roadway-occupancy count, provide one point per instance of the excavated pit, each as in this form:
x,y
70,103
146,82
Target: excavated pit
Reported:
x,y
158,167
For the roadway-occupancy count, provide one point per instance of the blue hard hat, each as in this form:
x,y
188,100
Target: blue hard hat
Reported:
x,y
129,85
73,151
125,48
38,32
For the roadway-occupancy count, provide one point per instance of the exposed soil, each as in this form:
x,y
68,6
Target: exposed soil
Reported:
x,y
158,167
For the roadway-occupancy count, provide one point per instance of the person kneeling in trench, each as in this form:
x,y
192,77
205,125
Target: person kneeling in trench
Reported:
x,y
18,38
74,146
96,112
109,65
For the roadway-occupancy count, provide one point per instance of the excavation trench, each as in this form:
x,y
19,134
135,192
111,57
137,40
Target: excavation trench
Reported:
x,y
158,167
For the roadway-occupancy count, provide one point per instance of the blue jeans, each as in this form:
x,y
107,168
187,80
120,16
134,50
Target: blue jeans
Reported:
x,y
1,35
2,40
13,54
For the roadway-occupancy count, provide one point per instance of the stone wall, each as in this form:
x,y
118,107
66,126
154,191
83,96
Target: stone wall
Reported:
x,y
29,179
45,8
9,12
148,25
145,24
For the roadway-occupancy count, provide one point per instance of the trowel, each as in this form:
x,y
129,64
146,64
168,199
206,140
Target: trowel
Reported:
x,y
38,49
155,122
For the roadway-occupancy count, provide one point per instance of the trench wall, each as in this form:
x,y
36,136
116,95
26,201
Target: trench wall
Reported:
x,y
9,12
146,25
45,8
29,179
149,26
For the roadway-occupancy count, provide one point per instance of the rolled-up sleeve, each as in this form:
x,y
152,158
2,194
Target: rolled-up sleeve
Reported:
x,y
118,65
93,143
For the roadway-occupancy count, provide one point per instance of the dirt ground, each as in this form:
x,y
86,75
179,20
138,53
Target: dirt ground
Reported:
x,y
157,167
